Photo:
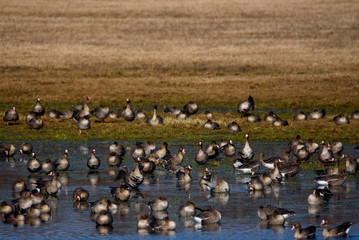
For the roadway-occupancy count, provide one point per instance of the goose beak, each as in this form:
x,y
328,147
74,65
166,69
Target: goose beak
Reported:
x,y
292,228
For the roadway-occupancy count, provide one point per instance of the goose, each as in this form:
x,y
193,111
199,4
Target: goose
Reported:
x,y
211,125
354,115
163,152
127,112
205,177
164,225
325,154
265,179
101,112
156,119
8,150
114,160
53,186
216,184
311,146
19,185
80,194
341,119
36,123
289,169
229,150
38,109
279,122
93,162
177,158
53,114
246,106
25,148
48,166
206,114
252,166
30,116
302,154
138,151
300,116
351,166
320,196
44,208
121,193
34,165
332,180
336,147
148,165
81,110
11,115
255,184
270,162
187,210
308,232
190,108
67,114
184,177
265,212
201,156
173,111
253,118
159,204
294,142
6,209
132,179
276,218
339,231
141,115
233,127
145,221
148,147
182,116
238,162
275,175
270,117
103,218
213,150
329,171
316,114
118,149
247,152
63,163
207,215
83,124
98,206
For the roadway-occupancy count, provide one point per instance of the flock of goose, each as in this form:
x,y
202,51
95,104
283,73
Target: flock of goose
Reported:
x,y
30,203
81,114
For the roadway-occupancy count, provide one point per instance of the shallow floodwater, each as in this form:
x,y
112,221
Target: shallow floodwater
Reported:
x,y
238,209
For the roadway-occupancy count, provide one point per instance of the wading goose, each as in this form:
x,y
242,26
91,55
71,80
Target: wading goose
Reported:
x,y
163,152
247,152
127,113
300,116
38,109
311,146
48,166
336,147
184,177
270,117
339,231
255,184
159,204
202,156
351,166
289,169
11,115
148,165
34,165
213,150
252,166
205,177
207,216
101,112
229,150
121,193
63,163
8,149
80,194
177,158
246,106
308,232
333,180
325,154
265,212
341,119
275,175
132,179
53,186
316,114
211,125
320,196
216,184
156,119
233,127
190,108
93,162
25,148
253,118
187,210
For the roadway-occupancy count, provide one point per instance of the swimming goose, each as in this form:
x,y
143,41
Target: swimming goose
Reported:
x,y
38,109
233,127
63,163
156,119
48,166
190,108
213,150
114,160
127,113
177,158
341,119
121,193
159,204
207,215
80,194
211,125
253,118
351,166
247,152
354,115
229,150
93,162
187,210
118,149
320,196
216,184
25,148
11,115
308,232
270,117
202,156
246,106
300,116
339,231
101,112
132,179
184,177
316,114
81,110
34,165
265,212
325,154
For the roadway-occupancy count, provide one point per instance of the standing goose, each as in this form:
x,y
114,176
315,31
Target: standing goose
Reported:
x,y
25,148
300,116
127,113
229,149
177,158
336,147
156,119
184,177
339,231
163,152
308,232
275,175
48,166
63,163
148,166
81,110
325,154
316,114
132,179
246,106
289,169
83,124
213,150
53,186
247,152
205,177
190,108
34,165
93,162
333,180
202,156
30,116
101,112
233,127
351,166
11,115
38,109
